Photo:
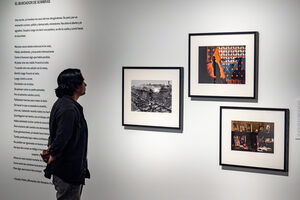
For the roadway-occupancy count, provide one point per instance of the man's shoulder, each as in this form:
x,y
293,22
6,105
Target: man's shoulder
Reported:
x,y
63,104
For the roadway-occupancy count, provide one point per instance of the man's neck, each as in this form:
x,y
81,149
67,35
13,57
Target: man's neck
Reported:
x,y
75,97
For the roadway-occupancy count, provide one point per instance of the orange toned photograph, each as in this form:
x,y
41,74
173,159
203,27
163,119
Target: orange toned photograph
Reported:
x,y
222,64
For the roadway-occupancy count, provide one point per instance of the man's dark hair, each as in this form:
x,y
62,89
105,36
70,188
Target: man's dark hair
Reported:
x,y
68,81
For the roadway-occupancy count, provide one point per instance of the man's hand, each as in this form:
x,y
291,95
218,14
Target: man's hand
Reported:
x,y
51,159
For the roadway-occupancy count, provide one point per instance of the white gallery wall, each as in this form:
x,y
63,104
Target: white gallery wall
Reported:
x,y
131,164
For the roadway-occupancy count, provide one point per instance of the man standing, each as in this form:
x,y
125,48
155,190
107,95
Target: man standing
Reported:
x,y
68,137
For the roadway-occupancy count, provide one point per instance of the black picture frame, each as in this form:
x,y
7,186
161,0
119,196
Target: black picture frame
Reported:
x,y
256,138
152,97
223,65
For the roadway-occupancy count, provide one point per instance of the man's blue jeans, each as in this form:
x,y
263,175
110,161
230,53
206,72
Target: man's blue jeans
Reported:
x,y
66,191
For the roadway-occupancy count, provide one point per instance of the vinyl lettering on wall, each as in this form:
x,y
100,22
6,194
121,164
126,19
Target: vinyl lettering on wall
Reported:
x,y
33,58
31,114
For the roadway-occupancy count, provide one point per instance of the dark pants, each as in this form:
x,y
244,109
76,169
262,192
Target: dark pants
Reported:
x,y
66,191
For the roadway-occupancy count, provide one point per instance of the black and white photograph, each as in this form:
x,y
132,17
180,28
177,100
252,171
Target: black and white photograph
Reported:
x,y
254,137
152,97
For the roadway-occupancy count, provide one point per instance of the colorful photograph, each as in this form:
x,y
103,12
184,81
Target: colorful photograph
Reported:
x,y
151,96
222,64
252,136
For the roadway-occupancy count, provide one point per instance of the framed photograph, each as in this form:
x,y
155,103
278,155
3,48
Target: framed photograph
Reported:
x,y
152,97
223,65
254,137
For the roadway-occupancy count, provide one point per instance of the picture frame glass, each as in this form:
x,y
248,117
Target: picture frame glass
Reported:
x,y
223,65
253,138
152,97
